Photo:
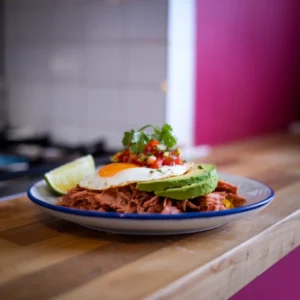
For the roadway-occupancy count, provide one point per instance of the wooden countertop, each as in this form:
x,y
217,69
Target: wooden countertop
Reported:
x,y
43,257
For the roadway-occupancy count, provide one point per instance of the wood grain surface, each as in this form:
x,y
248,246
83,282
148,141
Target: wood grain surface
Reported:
x,y
46,258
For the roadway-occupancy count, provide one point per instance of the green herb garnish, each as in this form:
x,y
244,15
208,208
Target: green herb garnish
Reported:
x,y
136,141
165,135
160,171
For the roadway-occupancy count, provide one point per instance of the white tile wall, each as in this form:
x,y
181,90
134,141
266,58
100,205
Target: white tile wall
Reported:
x,y
17,105
26,62
12,66
30,105
68,107
30,25
101,109
145,63
145,19
143,107
103,20
68,21
67,134
35,62
115,137
29,5
39,103
85,69
102,64
67,62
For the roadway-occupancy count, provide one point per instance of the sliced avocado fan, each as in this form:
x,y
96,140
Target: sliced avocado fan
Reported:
x,y
195,175
191,191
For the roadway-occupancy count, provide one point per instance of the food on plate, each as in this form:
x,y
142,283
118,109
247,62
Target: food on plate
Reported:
x,y
201,173
150,176
121,174
67,176
190,191
129,199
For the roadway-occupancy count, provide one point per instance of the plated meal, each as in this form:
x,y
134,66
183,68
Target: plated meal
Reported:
x,y
148,188
150,176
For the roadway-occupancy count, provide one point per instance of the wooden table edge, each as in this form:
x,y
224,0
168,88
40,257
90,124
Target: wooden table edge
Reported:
x,y
232,265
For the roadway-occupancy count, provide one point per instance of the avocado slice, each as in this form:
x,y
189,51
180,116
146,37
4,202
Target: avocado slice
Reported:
x,y
196,174
191,191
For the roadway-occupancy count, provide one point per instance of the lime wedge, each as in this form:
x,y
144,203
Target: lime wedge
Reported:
x,y
67,176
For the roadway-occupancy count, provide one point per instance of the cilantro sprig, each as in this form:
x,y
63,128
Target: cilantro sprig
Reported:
x,y
136,141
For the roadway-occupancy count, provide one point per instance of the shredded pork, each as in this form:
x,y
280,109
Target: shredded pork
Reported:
x,y
128,199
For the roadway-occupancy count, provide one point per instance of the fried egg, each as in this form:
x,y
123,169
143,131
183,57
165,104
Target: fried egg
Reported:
x,y
121,174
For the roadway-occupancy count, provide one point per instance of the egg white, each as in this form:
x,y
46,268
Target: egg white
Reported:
x,y
132,175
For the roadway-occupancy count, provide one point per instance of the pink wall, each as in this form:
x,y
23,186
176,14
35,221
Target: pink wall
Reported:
x,y
247,67
280,282
247,83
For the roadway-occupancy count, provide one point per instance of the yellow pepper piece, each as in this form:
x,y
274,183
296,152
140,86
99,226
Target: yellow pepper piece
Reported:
x,y
228,204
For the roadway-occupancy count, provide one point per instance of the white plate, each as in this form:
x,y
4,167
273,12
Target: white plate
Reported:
x,y
257,194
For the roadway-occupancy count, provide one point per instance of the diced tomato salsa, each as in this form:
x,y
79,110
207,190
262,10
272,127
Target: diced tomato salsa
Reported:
x,y
154,156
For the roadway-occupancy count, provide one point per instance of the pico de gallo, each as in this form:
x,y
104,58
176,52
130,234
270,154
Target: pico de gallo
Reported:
x,y
150,150
154,156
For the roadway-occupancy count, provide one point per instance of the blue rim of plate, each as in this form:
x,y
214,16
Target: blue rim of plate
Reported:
x,y
153,216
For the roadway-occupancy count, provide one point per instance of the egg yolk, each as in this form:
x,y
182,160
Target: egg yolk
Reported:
x,y
114,168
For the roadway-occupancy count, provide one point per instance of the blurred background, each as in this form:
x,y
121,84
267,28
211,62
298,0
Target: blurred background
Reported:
x,y
75,74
